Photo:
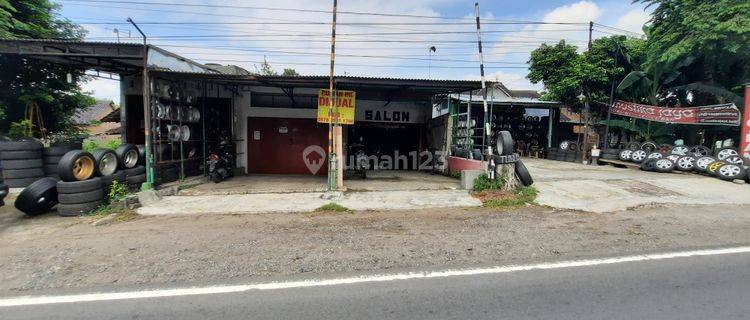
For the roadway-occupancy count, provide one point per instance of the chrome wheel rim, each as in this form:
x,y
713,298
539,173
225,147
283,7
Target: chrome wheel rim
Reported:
x,y
130,159
726,153
686,162
108,164
663,164
729,170
638,155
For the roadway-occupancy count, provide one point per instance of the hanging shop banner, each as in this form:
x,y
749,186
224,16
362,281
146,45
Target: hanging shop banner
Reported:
x,y
720,114
345,101
745,138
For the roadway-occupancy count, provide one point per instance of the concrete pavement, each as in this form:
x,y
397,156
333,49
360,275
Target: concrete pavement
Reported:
x,y
607,189
308,201
660,286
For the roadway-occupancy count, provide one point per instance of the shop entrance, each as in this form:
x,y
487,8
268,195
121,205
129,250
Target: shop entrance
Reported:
x,y
401,143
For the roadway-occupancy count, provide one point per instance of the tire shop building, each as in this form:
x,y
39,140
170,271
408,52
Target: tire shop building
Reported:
x,y
269,121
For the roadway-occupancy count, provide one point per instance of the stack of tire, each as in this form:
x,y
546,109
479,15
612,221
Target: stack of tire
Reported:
x,y
51,157
504,148
568,151
85,181
609,154
21,162
725,163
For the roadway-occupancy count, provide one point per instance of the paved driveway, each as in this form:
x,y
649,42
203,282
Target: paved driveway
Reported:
x,y
607,189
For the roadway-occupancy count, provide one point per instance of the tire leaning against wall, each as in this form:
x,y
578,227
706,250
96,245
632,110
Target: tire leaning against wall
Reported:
x,y
523,174
79,197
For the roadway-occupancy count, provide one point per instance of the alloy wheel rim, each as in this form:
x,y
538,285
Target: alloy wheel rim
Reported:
x,y
663,164
729,170
108,164
83,168
131,158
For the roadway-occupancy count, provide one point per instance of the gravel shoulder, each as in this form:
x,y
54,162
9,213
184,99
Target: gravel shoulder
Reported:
x,y
51,252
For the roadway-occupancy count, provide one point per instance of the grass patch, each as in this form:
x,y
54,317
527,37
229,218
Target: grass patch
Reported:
x,y
483,182
497,199
332,207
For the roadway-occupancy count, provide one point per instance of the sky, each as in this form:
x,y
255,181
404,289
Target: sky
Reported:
x,y
244,32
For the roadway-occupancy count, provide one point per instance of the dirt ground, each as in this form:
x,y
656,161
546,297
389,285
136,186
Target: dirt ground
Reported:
x,y
53,252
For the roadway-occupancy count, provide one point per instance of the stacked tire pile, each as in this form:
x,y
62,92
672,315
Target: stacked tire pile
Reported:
x,y
21,162
51,157
504,148
725,163
568,151
85,180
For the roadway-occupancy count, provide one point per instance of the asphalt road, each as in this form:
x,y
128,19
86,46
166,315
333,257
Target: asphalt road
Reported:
x,y
702,287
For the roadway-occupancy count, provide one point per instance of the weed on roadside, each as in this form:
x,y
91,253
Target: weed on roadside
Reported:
x,y
497,199
333,207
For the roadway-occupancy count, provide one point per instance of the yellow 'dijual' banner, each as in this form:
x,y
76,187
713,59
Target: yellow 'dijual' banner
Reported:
x,y
345,100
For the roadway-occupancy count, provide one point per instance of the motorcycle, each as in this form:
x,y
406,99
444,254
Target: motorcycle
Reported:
x,y
361,163
220,163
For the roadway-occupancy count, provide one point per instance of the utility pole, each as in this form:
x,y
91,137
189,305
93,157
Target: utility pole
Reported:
x,y
486,124
146,87
591,31
335,170
587,104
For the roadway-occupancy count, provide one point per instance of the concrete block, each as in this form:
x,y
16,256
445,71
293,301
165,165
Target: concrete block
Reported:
x,y
468,177
148,197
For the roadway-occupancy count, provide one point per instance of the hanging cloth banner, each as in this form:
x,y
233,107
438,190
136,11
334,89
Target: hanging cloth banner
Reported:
x,y
721,114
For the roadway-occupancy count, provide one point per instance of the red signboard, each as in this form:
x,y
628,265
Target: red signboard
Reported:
x,y
721,114
745,138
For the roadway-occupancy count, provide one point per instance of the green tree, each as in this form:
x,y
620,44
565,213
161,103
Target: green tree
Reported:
x,y
265,69
23,81
566,74
701,47
289,72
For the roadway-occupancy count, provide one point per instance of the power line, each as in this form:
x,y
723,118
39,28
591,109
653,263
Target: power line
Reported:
x,y
355,65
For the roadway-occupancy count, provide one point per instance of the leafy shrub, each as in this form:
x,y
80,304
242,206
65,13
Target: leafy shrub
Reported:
x,y
117,191
483,182
332,207
521,197
20,129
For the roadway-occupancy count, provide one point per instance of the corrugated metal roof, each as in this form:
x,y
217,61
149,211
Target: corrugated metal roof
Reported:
x,y
73,41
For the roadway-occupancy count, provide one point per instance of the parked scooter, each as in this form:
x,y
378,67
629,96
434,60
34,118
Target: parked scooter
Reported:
x,y
220,162
361,163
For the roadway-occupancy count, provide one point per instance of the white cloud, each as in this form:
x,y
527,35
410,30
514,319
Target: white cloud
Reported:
x,y
633,20
103,89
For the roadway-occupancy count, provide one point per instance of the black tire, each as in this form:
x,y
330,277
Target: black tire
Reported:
x,y
136,181
139,170
633,146
714,166
648,165
573,146
79,186
127,156
523,174
102,158
702,163
51,159
625,155
74,210
20,155
65,166
20,183
23,173
680,150
649,146
59,150
639,156
50,169
700,150
504,143
564,145
686,163
731,171
22,164
724,153
141,154
22,145
39,197
82,197
118,176
664,165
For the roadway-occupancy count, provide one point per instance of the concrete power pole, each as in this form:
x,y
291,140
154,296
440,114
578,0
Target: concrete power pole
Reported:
x,y
335,141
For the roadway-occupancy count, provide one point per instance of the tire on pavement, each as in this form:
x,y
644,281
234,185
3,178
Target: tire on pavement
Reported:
x,y
74,210
664,165
686,163
714,166
701,164
39,197
648,165
638,156
724,153
523,174
625,155
76,165
731,171
128,156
